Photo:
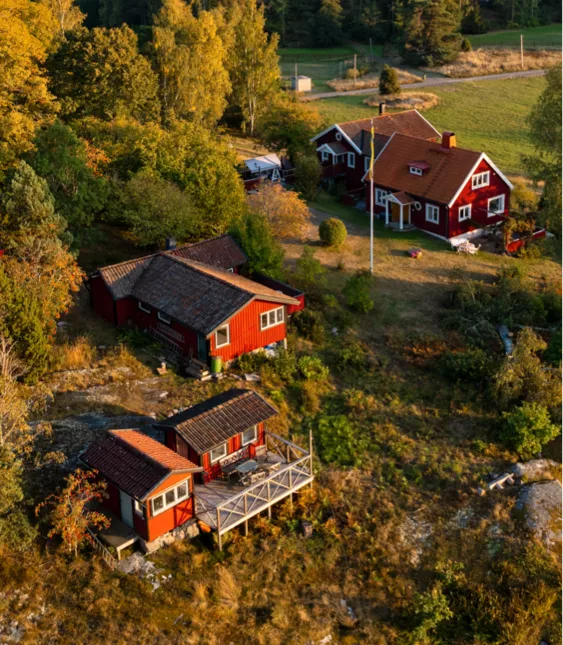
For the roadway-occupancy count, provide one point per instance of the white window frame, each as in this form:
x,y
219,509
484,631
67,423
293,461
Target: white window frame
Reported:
x,y
431,209
228,328
278,320
163,317
338,136
324,155
491,213
244,442
380,194
222,456
466,210
142,307
139,507
231,270
351,160
415,171
480,179
177,498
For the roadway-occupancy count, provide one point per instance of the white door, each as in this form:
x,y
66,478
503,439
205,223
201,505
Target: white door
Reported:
x,y
126,508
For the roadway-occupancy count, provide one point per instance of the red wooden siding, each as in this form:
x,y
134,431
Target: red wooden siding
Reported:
x,y
245,333
112,501
352,176
182,337
172,517
478,199
101,299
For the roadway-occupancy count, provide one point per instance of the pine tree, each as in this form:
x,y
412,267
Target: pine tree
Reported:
x,y
389,81
327,24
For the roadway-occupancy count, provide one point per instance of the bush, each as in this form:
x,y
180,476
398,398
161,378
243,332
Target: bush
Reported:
x,y
309,323
553,352
338,441
312,368
251,362
389,81
309,272
466,45
308,172
357,292
528,428
332,232
352,355
472,365
284,365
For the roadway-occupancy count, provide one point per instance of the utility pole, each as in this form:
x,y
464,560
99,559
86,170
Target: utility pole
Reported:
x,y
371,49
371,198
355,69
296,84
522,50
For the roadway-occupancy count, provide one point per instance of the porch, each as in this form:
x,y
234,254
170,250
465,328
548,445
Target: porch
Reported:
x,y
398,210
223,505
118,536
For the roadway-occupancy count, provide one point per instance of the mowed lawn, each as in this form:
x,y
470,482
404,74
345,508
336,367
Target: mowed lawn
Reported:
x,y
487,115
545,36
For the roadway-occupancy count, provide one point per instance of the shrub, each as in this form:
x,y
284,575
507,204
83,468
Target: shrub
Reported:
x,y
332,232
310,397
528,428
553,352
284,365
251,362
352,355
312,368
309,272
472,365
309,323
389,81
308,172
357,292
466,45
338,441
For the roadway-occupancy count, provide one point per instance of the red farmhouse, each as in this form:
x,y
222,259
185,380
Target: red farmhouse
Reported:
x,y
220,431
149,486
193,300
344,149
442,189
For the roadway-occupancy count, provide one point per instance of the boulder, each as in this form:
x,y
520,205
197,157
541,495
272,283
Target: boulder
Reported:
x,y
541,505
536,469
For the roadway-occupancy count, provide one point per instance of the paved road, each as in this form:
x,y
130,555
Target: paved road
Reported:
x,y
431,82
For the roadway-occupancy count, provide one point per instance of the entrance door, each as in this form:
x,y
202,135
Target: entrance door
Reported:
x,y
395,211
126,508
202,348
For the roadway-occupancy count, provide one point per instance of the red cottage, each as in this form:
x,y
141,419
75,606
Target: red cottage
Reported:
x,y
149,486
344,149
446,191
196,309
227,428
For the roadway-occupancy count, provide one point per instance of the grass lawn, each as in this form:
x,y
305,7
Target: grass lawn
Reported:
x,y
487,115
307,54
545,36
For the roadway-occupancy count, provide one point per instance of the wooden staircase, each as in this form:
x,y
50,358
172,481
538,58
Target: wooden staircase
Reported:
x,y
198,369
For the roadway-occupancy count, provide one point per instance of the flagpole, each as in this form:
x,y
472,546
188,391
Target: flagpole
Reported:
x,y
372,197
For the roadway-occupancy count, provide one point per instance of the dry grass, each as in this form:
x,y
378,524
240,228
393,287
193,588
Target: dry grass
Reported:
x,y
74,354
405,100
496,61
371,80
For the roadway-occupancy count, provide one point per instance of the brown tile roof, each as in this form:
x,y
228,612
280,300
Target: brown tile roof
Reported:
x,y
222,252
403,198
448,168
409,122
209,424
134,462
197,295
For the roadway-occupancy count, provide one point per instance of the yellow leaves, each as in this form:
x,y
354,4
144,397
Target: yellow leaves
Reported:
x,y
286,211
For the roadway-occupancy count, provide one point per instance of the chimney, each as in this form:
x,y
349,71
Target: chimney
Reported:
x,y
170,243
448,140
381,108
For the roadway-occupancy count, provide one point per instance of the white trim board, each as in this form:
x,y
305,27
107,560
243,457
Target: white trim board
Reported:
x,y
482,157
341,132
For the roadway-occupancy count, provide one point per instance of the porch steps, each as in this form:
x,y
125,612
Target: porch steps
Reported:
x,y
199,370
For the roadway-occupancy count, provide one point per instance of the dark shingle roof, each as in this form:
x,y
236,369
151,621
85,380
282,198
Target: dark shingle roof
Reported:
x,y
197,295
209,424
134,462
120,278
222,252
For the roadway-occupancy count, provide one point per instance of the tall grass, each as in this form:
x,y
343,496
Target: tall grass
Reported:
x,y
498,61
78,353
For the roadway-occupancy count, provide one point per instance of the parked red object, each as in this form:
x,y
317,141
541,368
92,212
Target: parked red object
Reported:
x,y
517,244
415,253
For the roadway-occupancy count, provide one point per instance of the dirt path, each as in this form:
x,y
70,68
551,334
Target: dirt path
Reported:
x,y
431,82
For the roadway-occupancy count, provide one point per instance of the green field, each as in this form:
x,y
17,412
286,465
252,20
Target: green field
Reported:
x,y
546,36
487,115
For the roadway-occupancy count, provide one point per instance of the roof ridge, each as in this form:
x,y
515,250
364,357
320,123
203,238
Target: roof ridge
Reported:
x,y
137,450
438,144
190,246
205,413
377,116
118,264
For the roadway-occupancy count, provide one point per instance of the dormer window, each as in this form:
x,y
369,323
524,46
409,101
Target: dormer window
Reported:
x,y
415,171
418,168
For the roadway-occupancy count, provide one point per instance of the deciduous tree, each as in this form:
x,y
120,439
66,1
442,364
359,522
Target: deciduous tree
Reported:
x,y
66,13
287,213
265,254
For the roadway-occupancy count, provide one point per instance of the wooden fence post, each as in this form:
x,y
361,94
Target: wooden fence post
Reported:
x,y
355,69
219,539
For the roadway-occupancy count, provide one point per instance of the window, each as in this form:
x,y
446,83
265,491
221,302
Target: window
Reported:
x,y
351,160
415,171
496,206
218,453
464,212
367,161
222,336
168,498
432,213
271,318
338,136
380,194
480,179
144,308
250,435
139,508
230,270
163,317
324,155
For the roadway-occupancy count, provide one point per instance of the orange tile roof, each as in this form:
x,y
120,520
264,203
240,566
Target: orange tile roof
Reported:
x,y
448,168
153,449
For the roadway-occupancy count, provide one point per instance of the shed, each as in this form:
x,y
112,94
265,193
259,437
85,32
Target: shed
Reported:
x,y
301,83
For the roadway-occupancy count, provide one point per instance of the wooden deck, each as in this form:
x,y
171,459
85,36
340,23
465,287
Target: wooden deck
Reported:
x,y
223,506
118,535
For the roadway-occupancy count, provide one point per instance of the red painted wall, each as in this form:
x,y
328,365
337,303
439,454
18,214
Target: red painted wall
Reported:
x,y
101,299
245,333
112,501
172,517
353,176
478,200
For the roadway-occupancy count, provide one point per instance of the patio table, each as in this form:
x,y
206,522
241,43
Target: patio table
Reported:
x,y
246,467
